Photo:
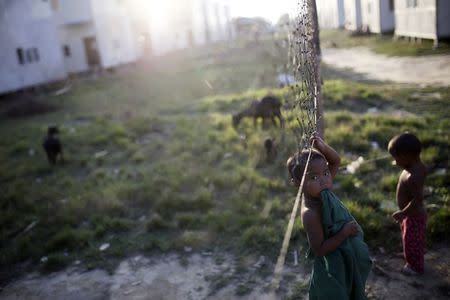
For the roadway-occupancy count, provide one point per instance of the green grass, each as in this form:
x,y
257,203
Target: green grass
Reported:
x,y
382,44
154,164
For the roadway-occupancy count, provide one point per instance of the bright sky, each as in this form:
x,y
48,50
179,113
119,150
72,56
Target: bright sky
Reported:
x,y
268,9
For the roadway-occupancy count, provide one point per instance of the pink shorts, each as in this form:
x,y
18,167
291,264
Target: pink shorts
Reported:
x,y
413,238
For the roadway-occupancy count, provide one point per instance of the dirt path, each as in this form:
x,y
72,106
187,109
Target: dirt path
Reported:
x,y
418,70
196,276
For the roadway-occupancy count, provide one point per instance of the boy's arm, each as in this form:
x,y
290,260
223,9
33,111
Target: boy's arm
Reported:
x,y
314,231
330,154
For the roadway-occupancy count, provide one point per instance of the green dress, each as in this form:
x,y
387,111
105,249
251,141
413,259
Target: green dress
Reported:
x,y
341,274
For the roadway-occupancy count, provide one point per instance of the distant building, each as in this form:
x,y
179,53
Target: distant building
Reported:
x,y
353,17
428,19
30,52
331,13
44,40
180,24
95,34
252,28
378,16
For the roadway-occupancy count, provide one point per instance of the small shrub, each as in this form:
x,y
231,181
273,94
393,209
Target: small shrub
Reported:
x,y
220,221
279,208
69,238
55,262
439,225
371,221
389,183
430,154
193,239
138,157
261,239
19,147
297,230
157,223
368,93
106,224
347,183
189,220
243,289
203,200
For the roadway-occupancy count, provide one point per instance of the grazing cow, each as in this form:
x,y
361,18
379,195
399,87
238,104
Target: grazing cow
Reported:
x,y
52,145
267,107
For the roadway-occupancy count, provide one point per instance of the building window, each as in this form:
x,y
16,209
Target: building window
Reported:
x,y
411,3
29,54
369,8
66,50
36,54
391,5
20,57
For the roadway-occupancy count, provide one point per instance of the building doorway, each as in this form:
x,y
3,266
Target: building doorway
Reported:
x,y
91,49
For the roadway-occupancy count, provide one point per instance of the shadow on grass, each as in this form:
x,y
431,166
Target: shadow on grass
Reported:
x,y
330,72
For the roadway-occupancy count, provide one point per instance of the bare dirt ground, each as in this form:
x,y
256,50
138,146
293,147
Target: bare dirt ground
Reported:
x,y
166,277
433,70
196,276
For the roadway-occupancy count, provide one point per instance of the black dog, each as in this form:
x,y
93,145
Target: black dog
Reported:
x,y
52,145
271,149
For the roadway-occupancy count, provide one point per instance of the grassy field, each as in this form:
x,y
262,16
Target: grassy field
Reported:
x,y
382,44
154,164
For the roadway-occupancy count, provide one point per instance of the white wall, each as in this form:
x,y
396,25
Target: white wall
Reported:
x,y
105,20
75,11
417,21
114,35
331,14
370,15
377,15
352,14
28,24
73,36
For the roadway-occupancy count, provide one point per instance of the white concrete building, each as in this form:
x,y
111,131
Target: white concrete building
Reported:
x,y
30,53
428,19
353,18
95,33
378,15
44,40
331,13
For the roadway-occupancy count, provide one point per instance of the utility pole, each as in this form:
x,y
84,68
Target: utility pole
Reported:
x,y
318,58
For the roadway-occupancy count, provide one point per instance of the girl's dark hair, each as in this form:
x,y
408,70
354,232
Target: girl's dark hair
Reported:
x,y
296,163
405,143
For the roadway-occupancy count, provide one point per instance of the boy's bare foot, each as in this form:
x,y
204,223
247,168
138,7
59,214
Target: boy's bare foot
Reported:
x,y
406,270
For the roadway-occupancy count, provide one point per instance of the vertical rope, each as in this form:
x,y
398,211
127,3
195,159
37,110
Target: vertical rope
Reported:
x,y
287,236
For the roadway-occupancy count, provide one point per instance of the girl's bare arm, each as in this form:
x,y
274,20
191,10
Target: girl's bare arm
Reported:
x,y
330,154
314,231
